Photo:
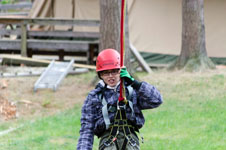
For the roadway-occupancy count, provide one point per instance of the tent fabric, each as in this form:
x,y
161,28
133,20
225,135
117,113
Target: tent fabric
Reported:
x,y
158,59
154,25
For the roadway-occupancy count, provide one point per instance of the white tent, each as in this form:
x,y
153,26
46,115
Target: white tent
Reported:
x,y
154,25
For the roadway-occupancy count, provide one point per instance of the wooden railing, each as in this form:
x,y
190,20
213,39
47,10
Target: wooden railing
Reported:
x,y
29,42
15,9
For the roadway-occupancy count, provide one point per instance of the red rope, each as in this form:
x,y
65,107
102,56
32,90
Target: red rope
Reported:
x,y
122,34
121,98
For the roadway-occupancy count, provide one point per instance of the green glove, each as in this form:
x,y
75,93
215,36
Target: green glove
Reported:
x,y
125,74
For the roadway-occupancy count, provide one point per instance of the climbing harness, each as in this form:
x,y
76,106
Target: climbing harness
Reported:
x,y
120,123
107,108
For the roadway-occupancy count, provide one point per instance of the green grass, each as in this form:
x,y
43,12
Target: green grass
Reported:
x,y
192,117
48,133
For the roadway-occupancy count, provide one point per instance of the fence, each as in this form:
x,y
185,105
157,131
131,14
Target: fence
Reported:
x,y
20,39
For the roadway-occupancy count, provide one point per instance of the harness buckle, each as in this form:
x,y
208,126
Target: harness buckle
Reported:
x,y
132,142
121,106
109,141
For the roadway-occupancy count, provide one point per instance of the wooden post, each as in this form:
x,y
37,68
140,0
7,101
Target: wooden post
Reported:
x,y
90,53
29,53
23,40
140,59
61,55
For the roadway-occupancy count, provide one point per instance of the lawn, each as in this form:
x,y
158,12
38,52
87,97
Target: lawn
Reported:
x,y
192,117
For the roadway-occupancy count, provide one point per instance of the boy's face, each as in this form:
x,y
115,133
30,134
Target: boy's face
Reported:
x,y
110,77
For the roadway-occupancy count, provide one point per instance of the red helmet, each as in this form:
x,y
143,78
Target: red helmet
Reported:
x,y
108,59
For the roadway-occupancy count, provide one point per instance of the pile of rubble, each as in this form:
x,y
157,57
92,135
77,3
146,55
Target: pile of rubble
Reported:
x,y
7,109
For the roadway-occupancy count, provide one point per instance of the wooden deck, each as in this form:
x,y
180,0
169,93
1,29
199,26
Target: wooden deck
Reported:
x,y
62,43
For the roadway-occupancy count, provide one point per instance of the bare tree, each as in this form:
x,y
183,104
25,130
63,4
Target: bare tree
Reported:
x,y
110,13
193,55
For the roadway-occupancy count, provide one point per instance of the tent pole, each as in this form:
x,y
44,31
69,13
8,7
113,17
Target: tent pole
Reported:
x,y
52,12
73,12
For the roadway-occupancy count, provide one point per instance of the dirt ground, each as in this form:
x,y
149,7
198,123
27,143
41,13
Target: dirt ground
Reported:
x,y
19,101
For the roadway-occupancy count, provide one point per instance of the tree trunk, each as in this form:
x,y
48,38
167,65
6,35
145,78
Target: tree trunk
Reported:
x,y
110,14
193,55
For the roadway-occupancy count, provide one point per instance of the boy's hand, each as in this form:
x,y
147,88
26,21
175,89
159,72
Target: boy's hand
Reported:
x,y
125,74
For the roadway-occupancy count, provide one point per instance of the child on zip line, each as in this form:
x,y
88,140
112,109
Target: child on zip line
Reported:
x,y
115,124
